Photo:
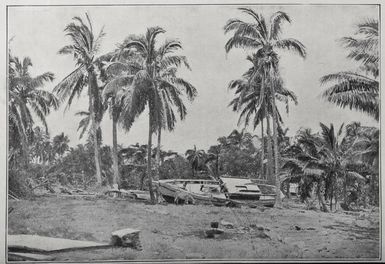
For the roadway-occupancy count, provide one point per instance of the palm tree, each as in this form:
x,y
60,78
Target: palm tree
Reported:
x,y
358,90
322,158
213,154
41,148
195,157
157,86
84,48
60,144
26,98
171,88
248,101
264,41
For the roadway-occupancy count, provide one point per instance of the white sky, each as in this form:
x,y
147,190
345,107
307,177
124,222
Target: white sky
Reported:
x,y
39,34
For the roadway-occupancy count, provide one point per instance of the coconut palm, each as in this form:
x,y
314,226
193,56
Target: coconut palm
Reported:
x,y
248,102
60,144
195,157
117,70
172,89
213,155
40,145
157,86
322,158
84,47
26,100
358,90
264,40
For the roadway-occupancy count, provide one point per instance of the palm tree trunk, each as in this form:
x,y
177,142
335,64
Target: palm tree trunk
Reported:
x,y
217,165
278,202
321,199
263,176
157,157
116,179
269,169
149,145
345,192
92,86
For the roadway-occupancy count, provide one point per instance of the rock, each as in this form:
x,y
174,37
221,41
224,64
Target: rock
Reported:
x,y
262,234
127,238
310,228
295,227
210,233
260,228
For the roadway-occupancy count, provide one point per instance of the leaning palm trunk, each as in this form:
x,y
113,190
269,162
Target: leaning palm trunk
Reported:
x,y
157,157
116,179
278,202
263,176
149,158
269,169
92,86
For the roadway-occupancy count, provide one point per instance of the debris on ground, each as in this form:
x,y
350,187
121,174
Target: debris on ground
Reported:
x,y
227,224
126,238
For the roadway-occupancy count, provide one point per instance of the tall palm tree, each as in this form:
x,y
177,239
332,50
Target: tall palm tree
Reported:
x,y
264,40
84,48
195,157
171,86
157,86
116,97
252,107
358,90
26,98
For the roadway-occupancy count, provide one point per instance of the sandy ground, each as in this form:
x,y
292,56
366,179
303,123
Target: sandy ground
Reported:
x,y
177,231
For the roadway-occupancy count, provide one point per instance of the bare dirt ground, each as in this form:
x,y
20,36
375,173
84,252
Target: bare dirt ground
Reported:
x,y
177,231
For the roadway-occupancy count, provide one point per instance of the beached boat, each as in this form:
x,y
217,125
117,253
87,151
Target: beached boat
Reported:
x,y
246,191
203,191
225,191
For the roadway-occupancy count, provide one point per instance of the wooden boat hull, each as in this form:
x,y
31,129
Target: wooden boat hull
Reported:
x,y
170,191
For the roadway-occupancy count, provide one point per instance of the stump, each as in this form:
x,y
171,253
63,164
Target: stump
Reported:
x,y
126,238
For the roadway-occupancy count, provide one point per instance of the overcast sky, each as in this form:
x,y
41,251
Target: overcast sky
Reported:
x,y
38,33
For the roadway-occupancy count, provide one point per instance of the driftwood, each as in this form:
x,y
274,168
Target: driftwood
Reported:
x,y
126,238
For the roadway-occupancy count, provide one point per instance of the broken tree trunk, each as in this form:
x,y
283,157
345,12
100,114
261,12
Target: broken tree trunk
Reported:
x,y
126,238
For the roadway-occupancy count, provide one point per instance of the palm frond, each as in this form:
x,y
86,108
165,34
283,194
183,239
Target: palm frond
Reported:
x,y
275,21
291,45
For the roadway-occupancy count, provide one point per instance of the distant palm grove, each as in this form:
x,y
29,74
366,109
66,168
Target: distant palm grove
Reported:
x,y
333,164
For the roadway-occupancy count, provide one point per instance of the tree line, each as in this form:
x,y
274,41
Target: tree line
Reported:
x,y
143,74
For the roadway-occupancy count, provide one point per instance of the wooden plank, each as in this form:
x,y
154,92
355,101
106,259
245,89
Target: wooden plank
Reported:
x,y
36,243
19,256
